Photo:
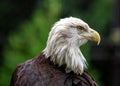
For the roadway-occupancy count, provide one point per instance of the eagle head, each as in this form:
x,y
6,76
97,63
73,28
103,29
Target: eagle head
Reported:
x,y
65,38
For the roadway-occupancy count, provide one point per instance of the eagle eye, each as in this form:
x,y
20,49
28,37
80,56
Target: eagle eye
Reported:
x,y
81,28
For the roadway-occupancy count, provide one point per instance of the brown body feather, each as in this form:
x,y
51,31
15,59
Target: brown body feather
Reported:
x,y
40,71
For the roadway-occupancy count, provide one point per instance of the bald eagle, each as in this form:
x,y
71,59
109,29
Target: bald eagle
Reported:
x,y
61,63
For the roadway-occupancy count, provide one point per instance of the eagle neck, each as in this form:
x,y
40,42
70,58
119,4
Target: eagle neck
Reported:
x,y
70,56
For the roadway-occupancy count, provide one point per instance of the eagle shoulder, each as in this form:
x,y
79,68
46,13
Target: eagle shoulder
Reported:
x,y
38,71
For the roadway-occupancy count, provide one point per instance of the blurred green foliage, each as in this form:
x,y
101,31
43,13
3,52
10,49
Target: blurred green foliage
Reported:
x,y
31,35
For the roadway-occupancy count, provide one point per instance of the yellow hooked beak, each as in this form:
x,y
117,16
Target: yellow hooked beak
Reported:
x,y
92,35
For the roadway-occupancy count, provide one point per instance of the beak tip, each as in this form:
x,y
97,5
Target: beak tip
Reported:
x,y
98,40
97,36
98,43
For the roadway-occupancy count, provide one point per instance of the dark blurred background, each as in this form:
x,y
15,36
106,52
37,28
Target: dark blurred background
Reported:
x,y
25,24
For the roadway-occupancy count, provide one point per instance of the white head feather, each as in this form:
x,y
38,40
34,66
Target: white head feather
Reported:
x,y
63,44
